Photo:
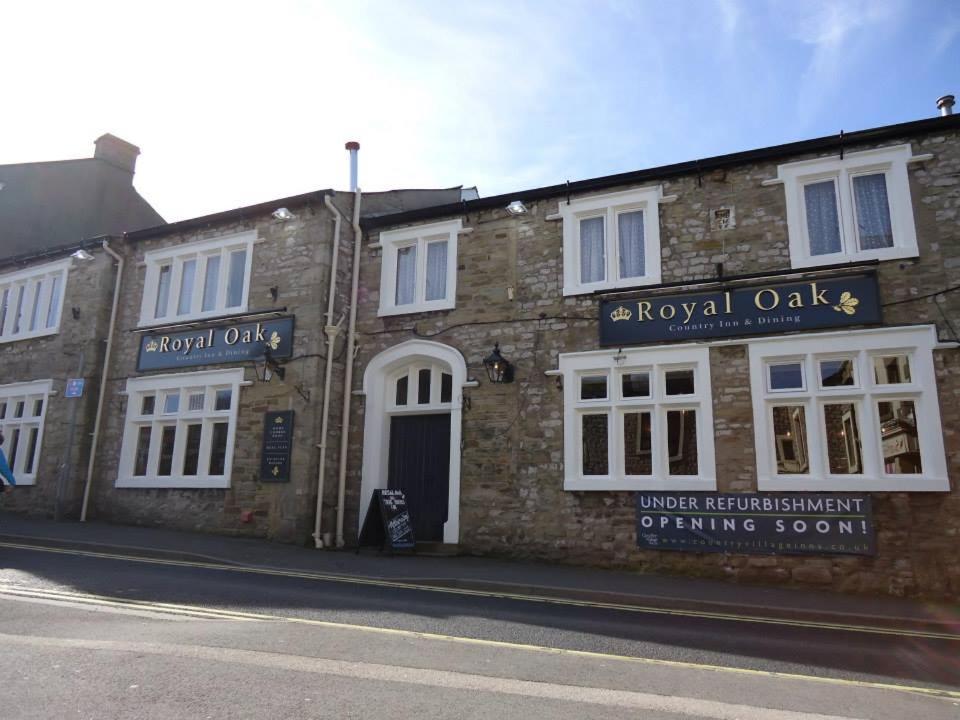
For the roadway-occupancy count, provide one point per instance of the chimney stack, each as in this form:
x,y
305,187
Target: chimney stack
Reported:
x,y
945,104
117,152
353,147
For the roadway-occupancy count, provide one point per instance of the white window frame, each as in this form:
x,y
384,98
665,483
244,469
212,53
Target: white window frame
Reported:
x,y
435,402
608,206
175,256
28,392
182,383
420,236
656,361
892,162
10,283
862,346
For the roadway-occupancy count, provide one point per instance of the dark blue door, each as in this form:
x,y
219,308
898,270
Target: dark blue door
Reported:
x,y
420,466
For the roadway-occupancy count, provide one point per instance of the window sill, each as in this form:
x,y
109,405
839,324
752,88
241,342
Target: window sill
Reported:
x,y
413,309
30,335
579,484
174,483
602,286
894,253
198,317
860,483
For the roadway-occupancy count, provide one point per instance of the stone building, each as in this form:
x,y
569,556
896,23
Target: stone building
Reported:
x,y
741,367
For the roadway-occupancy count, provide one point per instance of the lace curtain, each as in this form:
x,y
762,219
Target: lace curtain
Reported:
x,y
630,234
873,211
406,274
823,221
591,250
436,271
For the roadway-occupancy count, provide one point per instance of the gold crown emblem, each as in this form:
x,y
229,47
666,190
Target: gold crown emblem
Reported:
x,y
152,346
621,313
278,421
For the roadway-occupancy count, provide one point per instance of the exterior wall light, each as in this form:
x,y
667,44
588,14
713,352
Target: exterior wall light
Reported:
x,y
517,208
81,254
283,214
499,369
266,367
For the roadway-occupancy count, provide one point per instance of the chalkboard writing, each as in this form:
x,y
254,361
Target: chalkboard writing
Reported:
x,y
277,442
387,521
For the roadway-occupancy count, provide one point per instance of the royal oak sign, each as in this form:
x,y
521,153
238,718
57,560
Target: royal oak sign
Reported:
x,y
751,310
221,344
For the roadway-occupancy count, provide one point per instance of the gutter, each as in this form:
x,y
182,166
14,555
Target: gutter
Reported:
x,y
103,381
348,379
331,331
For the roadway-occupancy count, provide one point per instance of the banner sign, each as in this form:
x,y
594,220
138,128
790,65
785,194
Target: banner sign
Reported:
x,y
756,523
277,443
752,310
222,344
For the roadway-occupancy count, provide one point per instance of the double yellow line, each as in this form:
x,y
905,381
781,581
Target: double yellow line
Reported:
x,y
545,599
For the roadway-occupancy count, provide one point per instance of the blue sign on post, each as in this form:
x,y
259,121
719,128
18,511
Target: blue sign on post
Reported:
x,y
826,302
74,388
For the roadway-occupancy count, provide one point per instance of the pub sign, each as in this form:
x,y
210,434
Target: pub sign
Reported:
x,y
752,310
221,344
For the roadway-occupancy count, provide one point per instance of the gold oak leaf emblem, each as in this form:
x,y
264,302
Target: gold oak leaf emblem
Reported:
x,y
621,313
847,303
152,346
274,341
276,470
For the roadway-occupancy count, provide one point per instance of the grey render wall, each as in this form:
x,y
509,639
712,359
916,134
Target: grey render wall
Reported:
x,y
89,289
512,497
293,256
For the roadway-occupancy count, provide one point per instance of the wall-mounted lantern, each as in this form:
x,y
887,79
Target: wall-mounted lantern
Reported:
x,y
499,369
266,367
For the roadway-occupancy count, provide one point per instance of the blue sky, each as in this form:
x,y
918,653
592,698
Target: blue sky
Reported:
x,y
241,102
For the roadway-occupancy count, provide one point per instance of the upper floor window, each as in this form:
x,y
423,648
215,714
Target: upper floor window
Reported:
x,y
855,411
611,241
23,407
197,280
419,269
645,423
857,208
31,301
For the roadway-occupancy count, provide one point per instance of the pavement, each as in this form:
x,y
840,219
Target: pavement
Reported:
x,y
562,582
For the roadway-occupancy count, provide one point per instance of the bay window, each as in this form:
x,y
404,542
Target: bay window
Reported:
x,y
419,269
31,301
854,208
180,430
853,411
611,240
23,407
197,280
642,420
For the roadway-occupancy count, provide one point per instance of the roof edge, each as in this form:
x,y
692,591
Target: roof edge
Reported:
x,y
240,213
663,172
87,244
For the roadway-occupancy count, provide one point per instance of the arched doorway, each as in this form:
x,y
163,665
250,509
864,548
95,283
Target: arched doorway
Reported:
x,y
411,441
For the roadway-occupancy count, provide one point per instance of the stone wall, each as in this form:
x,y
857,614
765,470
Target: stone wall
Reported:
x,y
293,256
512,497
75,351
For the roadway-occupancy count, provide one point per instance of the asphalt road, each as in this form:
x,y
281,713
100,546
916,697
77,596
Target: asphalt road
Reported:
x,y
100,638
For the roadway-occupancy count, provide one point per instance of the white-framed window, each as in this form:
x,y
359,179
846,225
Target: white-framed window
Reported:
x,y
197,280
848,411
23,407
611,241
31,301
419,268
180,430
420,387
643,421
857,208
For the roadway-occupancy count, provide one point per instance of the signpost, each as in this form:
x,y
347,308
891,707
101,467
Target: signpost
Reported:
x,y
277,444
387,521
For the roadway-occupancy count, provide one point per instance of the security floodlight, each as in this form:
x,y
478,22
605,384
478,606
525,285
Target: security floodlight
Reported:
x,y
82,254
283,214
517,208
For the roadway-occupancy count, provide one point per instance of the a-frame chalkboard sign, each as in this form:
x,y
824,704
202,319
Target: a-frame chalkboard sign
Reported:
x,y
387,522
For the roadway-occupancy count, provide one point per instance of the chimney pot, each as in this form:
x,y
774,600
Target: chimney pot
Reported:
x,y
945,104
117,152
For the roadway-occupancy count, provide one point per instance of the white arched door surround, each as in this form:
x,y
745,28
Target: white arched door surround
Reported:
x,y
379,387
